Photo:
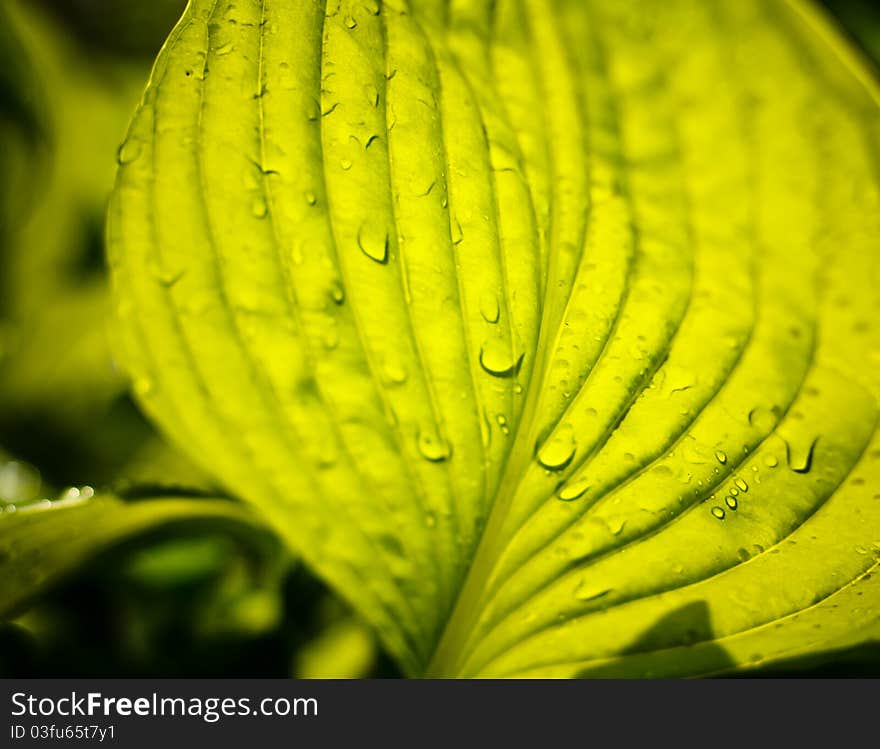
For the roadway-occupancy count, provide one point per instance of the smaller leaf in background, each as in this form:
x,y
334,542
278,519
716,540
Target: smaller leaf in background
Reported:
x,y
45,539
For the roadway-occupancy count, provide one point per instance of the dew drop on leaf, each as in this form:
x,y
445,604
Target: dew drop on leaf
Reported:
x,y
433,447
489,308
373,243
731,502
337,292
677,380
762,418
741,484
799,454
497,359
457,235
590,591
721,456
129,151
574,490
259,208
692,452
394,372
557,452
19,482
718,512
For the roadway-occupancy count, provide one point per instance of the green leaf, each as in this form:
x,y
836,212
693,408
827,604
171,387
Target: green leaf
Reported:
x,y
42,541
543,330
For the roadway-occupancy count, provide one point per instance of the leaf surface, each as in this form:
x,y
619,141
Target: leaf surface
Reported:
x,y
544,330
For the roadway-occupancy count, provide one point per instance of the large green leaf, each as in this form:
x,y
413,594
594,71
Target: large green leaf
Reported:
x,y
544,330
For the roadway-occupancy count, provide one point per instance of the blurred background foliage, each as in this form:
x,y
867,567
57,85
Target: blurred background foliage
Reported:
x,y
192,600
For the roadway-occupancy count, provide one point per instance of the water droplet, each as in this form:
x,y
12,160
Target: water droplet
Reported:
x,y
456,233
259,208
372,95
574,490
350,22
557,452
763,418
718,512
771,461
19,482
311,198
502,423
345,164
433,447
721,456
129,151
731,502
486,430
589,591
799,454
489,308
373,243
678,379
498,360
741,484
395,372
615,525
692,452
337,292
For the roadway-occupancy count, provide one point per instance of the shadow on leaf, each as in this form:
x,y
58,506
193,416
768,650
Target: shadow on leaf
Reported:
x,y
678,644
